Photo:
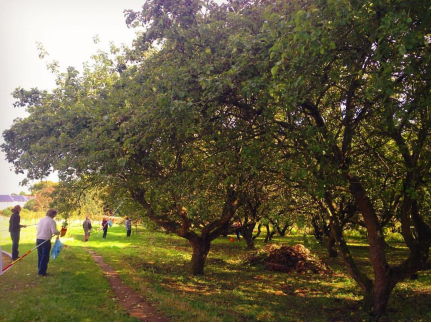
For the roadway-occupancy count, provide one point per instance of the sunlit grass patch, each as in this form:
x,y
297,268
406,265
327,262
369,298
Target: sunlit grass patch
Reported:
x,y
157,265
249,292
74,290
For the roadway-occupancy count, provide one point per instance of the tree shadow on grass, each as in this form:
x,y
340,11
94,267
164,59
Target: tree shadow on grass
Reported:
x,y
410,307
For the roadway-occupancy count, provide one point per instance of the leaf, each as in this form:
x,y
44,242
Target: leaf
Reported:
x,y
274,70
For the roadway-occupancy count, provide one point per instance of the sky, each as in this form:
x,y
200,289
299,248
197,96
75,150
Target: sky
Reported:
x,y
66,30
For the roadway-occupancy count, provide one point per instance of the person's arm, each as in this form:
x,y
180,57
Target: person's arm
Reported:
x,y
19,223
54,228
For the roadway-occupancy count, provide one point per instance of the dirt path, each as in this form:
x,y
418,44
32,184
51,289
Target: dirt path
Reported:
x,y
6,259
134,303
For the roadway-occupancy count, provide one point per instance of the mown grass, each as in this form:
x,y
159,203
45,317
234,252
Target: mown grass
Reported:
x,y
74,290
157,265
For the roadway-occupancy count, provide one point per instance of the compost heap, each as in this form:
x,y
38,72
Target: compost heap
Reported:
x,y
286,259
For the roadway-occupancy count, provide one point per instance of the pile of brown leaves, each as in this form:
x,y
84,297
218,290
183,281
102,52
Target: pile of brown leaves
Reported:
x,y
284,258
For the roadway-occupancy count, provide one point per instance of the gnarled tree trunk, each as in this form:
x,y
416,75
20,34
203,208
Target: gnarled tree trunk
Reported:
x,y
270,234
387,277
330,243
182,226
200,250
286,229
247,233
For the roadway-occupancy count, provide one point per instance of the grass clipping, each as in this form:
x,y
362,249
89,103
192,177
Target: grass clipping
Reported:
x,y
286,259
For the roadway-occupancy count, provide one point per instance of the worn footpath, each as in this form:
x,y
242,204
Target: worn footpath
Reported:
x,y
133,302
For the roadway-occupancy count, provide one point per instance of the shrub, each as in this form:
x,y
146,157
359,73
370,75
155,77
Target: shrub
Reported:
x,y
30,205
394,237
356,233
7,212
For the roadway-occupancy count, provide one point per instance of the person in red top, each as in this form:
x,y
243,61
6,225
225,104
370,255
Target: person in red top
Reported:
x,y
104,227
15,229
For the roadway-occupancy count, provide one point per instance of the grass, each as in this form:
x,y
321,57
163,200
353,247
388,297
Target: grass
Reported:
x,y
74,290
157,265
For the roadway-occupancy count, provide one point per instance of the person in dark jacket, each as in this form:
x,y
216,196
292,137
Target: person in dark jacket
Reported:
x,y
15,229
87,228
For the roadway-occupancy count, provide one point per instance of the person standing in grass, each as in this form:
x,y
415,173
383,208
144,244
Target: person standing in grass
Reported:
x,y
46,228
15,229
87,228
237,229
104,227
128,226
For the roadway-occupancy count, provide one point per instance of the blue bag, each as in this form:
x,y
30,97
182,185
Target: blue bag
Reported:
x,y
58,246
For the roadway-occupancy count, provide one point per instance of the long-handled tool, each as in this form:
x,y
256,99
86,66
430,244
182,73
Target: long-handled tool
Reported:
x,y
20,258
116,209
27,225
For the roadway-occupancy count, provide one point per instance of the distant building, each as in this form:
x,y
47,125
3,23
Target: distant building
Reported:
x,y
12,200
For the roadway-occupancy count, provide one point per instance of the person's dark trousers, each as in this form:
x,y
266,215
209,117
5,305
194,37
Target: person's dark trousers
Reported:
x,y
15,236
129,232
43,255
105,232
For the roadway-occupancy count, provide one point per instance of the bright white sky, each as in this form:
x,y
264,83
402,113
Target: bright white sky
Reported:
x,y
66,29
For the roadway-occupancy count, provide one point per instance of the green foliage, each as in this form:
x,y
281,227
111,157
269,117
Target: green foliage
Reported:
x,y
65,223
356,233
73,201
394,237
30,205
7,212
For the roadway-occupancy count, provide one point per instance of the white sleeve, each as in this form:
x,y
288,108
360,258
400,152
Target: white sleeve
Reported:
x,y
54,228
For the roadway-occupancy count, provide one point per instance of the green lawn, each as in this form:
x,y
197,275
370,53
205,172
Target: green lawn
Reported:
x,y
157,265
75,289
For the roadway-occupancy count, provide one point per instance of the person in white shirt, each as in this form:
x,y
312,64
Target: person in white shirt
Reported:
x,y
128,226
46,228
